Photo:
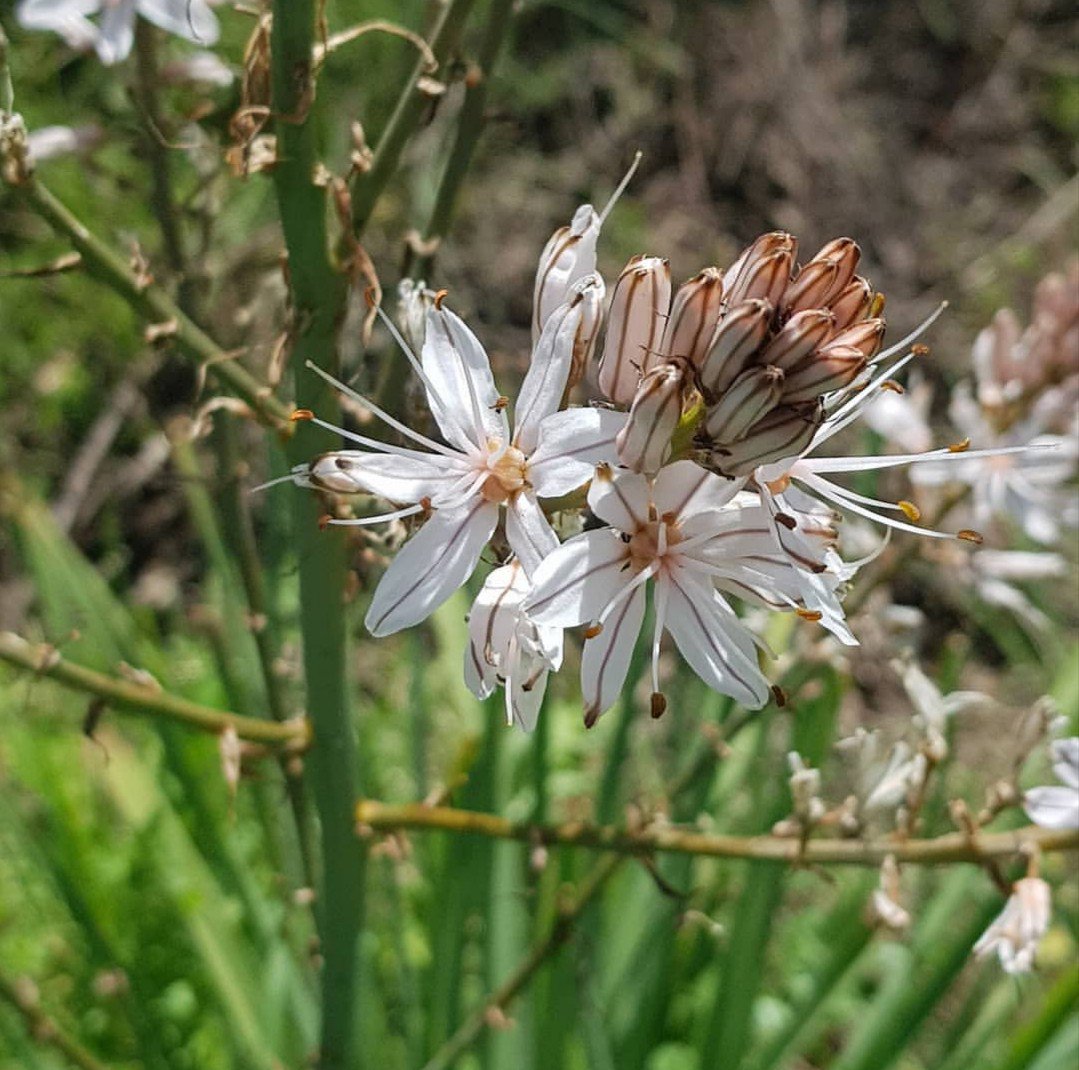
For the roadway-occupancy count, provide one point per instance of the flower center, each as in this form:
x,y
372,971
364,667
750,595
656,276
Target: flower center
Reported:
x,y
654,540
507,473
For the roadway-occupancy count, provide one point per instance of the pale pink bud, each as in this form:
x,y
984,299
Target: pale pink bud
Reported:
x,y
695,313
825,276
785,432
750,397
852,303
766,278
737,337
778,241
865,336
645,441
568,256
638,314
827,370
591,292
798,337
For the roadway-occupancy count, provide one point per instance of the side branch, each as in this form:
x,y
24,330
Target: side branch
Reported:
x,y
152,302
129,697
954,847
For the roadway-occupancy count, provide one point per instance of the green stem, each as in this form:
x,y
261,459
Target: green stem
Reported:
x,y
470,124
318,299
127,697
406,116
1027,1042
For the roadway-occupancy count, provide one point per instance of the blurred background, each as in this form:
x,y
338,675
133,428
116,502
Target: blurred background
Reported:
x,y
149,896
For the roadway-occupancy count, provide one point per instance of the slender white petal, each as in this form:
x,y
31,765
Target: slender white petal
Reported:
x,y
117,27
686,489
431,566
530,535
1066,761
1053,807
390,476
571,444
191,19
579,578
622,501
543,386
606,657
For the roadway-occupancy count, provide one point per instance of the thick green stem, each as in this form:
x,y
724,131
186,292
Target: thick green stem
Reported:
x,y
318,300
406,115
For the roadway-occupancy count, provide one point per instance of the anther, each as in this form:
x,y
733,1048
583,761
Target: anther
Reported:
x,y
812,615
910,510
604,473
876,306
659,705
593,630
969,535
893,386
787,521
324,521
301,414
440,297
959,447
500,403
920,349
779,695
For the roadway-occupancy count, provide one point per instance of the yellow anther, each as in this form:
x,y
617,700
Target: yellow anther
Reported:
x,y
301,414
813,615
910,510
893,386
593,630
969,535
959,447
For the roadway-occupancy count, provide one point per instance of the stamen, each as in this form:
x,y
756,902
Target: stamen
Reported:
x,y
812,615
440,296
893,386
969,535
915,334
367,521
621,188
593,630
658,705
910,510
959,447
301,414
779,695
290,478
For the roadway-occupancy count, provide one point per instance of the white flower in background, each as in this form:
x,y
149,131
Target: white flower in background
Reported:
x,y
884,906
483,468
49,142
507,648
1032,488
933,710
901,417
680,532
1057,806
1015,933
113,34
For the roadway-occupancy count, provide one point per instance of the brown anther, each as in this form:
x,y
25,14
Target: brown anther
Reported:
x,y
659,705
371,297
440,297
970,535
301,414
653,513
787,521
324,521
500,403
920,349
604,472
910,510
893,386
425,504
959,447
812,615
779,695
876,305
593,630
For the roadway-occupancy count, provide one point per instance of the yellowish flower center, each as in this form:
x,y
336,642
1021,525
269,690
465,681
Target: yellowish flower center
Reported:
x,y
508,473
644,544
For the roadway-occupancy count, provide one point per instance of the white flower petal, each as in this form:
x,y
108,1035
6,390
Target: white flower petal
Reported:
x,y
524,697
570,445
492,622
1066,760
393,477
1053,807
457,367
64,17
686,489
716,644
606,657
575,582
530,536
117,34
190,19
430,567
621,499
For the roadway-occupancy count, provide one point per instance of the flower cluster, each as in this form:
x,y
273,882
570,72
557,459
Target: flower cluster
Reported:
x,y
697,467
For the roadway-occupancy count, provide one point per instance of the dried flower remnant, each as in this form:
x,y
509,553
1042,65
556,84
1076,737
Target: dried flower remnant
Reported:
x,y
113,34
1015,933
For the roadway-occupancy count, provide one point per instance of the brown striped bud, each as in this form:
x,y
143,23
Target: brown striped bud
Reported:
x,y
695,313
739,334
824,371
635,323
569,255
750,397
766,279
824,277
735,279
798,337
591,293
645,441
852,303
785,432
865,336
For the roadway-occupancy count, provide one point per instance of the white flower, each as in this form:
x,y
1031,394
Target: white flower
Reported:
x,y
114,33
49,142
506,647
680,531
932,710
1015,933
482,467
1057,807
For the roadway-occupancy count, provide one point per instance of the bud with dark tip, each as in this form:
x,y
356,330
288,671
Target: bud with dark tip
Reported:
x,y
829,369
746,266
750,397
766,278
798,337
824,277
785,432
852,303
637,317
865,336
736,339
645,440
695,313
569,255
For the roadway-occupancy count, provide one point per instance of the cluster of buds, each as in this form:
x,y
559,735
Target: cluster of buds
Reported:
x,y
744,357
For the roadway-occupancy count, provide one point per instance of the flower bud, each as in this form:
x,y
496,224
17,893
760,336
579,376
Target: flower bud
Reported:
x,y
825,276
645,441
736,338
750,397
695,313
591,293
639,308
798,337
735,279
785,432
865,336
821,372
766,278
569,255
414,301
852,303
